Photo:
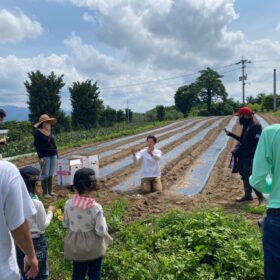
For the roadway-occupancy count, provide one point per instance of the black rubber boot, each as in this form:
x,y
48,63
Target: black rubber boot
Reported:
x,y
44,184
50,179
248,193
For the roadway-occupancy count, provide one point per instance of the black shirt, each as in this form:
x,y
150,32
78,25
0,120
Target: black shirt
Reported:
x,y
248,139
45,145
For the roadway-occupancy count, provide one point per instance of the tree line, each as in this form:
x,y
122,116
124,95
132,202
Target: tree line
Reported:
x,y
88,110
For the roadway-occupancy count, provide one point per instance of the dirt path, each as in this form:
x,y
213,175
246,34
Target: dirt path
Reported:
x,y
269,118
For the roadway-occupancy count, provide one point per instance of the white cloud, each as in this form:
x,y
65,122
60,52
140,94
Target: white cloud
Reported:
x,y
88,17
146,41
14,28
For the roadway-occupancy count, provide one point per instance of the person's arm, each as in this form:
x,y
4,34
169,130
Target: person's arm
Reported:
x,y
257,131
23,239
37,144
43,220
137,156
157,154
18,206
234,136
100,223
262,164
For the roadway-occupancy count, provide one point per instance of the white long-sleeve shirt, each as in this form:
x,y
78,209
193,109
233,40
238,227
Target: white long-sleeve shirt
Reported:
x,y
149,163
40,221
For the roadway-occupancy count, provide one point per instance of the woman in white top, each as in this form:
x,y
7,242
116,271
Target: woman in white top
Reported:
x,y
150,169
37,225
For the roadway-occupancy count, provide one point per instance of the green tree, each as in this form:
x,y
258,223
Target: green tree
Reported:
x,y
108,117
120,117
267,103
44,96
260,97
160,113
185,97
86,105
210,87
250,100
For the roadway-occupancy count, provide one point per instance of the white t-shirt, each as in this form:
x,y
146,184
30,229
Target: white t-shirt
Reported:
x,y
15,206
149,163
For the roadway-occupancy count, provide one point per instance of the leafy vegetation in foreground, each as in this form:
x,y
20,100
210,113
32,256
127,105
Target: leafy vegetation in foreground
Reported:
x,y
207,244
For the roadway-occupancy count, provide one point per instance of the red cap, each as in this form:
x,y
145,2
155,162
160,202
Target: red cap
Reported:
x,y
245,111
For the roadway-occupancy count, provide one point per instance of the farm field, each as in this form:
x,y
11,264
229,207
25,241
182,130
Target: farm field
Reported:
x,y
185,145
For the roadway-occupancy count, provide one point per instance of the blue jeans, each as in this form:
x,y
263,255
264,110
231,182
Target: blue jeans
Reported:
x,y
93,268
271,244
41,249
49,167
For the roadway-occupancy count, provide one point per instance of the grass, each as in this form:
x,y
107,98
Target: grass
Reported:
x,y
198,245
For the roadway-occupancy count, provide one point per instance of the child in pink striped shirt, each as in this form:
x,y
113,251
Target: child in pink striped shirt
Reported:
x,y
87,236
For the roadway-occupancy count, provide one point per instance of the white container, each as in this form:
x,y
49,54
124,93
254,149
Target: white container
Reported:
x,y
67,167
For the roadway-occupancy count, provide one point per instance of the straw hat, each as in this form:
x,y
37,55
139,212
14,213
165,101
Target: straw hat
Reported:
x,y
45,118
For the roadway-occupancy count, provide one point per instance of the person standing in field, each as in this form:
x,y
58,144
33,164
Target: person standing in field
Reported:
x,y
37,225
150,169
248,141
15,208
2,117
87,235
47,152
266,179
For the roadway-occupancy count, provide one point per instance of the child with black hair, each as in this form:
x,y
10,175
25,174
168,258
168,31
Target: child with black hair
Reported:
x,y
87,237
37,225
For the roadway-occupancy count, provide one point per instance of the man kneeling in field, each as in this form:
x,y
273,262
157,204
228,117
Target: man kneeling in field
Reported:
x,y
150,170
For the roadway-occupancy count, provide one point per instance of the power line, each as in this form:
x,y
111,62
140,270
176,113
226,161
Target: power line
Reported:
x,y
164,79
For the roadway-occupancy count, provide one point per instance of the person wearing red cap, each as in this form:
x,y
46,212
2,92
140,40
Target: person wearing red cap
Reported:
x,y
248,141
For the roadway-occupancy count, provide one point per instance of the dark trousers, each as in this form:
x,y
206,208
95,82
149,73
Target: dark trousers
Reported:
x,y
41,249
92,268
245,167
271,245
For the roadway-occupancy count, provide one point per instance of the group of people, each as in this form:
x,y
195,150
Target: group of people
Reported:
x,y
23,219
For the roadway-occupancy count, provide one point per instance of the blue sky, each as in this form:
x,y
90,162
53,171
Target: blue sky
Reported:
x,y
127,44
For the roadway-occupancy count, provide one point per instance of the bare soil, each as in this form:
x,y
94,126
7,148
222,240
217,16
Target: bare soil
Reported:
x,y
221,190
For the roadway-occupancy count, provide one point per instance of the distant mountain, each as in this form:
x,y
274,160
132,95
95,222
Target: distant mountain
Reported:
x,y
15,113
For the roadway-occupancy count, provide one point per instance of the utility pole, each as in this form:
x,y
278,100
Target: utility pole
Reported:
x,y
127,111
274,90
243,77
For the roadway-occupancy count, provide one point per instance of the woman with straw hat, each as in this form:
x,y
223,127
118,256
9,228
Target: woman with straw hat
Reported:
x,y
47,152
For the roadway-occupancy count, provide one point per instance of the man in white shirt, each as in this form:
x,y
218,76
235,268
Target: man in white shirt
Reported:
x,y
15,207
150,169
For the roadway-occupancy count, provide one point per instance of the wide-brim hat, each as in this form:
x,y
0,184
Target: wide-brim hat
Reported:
x,y
45,118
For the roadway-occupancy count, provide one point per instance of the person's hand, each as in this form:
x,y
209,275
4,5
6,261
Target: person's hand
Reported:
x,y
51,208
31,268
226,131
150,151
41,161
